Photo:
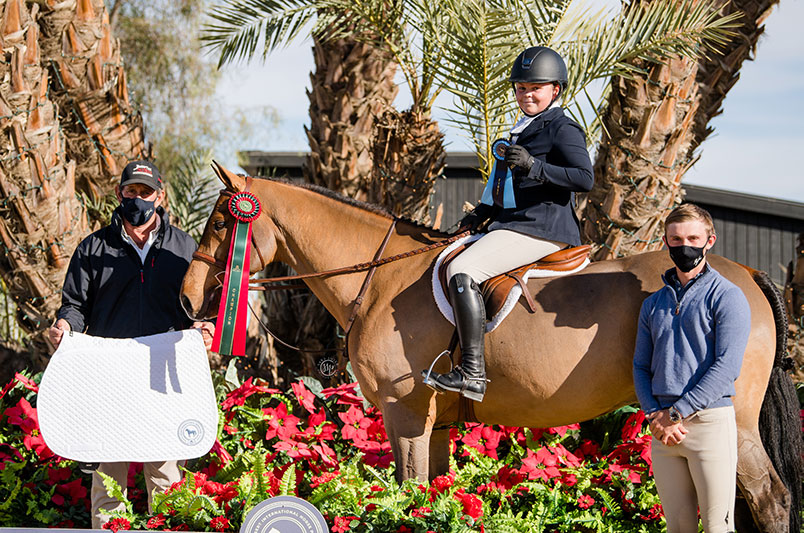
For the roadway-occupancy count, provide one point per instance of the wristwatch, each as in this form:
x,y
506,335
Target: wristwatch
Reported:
x,y
675,416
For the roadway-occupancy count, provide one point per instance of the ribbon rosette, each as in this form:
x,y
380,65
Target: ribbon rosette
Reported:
x,y
499,189
230,330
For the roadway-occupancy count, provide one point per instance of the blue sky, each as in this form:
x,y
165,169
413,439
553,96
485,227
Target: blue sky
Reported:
x,y
756,147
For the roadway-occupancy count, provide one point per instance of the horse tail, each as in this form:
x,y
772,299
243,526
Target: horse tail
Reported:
x,y
779,418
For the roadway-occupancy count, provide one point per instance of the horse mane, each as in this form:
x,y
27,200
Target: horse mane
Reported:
x,y
366,206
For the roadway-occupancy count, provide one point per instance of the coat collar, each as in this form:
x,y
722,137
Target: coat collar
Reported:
x,y
540,122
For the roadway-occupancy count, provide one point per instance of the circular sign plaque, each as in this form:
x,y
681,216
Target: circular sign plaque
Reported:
x,y
284,514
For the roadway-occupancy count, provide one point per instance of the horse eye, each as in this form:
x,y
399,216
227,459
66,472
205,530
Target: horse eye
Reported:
x,y
220,224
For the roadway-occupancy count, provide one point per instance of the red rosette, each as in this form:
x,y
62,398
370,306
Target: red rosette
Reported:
x,y
245,207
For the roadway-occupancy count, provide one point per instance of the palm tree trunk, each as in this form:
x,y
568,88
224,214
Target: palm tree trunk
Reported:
x,y
65,116
408,157
41,221
654,124
102,129
353,84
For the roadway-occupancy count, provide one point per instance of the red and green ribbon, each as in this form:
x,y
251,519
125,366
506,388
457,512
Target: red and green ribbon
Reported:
x,y
230,330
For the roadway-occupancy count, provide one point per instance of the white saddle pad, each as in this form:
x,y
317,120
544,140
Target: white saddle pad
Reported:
x,y
513,296
144,399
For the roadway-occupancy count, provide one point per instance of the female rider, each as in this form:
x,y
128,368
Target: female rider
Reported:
x,y
525,219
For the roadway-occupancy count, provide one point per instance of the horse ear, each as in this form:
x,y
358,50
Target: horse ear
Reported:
x,y
230,180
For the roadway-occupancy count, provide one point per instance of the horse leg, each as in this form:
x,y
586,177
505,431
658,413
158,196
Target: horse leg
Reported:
x,y
409,433
764,491
439,452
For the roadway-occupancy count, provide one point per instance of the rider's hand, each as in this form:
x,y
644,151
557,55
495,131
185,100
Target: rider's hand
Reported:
x,y
56,332
207,332
664,429
518,157
470,222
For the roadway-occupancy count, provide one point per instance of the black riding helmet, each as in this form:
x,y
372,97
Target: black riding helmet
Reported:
x,y
539,64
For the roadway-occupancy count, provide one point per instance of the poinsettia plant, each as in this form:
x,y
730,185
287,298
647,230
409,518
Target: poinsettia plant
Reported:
x,y
328,446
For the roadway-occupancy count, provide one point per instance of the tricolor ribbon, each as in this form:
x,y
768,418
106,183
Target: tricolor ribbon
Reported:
x,y
230,329
500,186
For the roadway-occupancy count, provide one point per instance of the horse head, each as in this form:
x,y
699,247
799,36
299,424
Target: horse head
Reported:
x,y
201,288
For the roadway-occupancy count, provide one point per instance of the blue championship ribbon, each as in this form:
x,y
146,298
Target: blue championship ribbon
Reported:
x,y
500,186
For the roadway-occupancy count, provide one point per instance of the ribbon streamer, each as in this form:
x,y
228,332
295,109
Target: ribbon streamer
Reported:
x,y
230,330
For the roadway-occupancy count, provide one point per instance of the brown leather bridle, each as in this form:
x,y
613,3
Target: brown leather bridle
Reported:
x,y
370,267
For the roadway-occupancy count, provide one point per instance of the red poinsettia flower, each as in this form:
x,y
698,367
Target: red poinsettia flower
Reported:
x,y
58,474
540,465
280,423
342,524
484,439
586,501
305,397
224,457
633,425
26,382
588,448
155,521
24,416
74,490
220,492
404,529
355,424
377,454
562,430
472,505
345,393
117,524
239,395
219,523
421,512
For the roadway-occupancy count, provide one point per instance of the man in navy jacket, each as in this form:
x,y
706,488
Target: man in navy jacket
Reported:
x,y
123,281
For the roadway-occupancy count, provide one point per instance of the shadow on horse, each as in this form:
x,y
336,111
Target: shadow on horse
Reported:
x,y
570,361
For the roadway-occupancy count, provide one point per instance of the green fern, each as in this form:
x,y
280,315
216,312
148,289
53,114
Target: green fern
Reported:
x,y
114,490
287,487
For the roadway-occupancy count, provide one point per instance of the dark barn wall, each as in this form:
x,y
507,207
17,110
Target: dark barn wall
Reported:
x,y
756,231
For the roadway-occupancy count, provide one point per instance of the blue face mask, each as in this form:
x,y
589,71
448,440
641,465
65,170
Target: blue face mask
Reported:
x,y
137,211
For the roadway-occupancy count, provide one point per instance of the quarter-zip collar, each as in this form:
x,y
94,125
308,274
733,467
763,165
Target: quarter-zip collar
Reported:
x,y
673,284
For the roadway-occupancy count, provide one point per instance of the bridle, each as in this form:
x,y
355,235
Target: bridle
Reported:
x,y
369,267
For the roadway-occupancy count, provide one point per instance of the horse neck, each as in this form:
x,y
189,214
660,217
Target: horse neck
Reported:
x,y
318,233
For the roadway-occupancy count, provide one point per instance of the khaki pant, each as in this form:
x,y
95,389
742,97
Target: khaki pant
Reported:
x,y
158,476
699,473
498,252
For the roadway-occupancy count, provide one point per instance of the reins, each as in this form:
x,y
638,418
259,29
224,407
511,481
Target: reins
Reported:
x,y
370,266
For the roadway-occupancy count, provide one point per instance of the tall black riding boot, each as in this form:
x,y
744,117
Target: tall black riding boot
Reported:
x,y
469,379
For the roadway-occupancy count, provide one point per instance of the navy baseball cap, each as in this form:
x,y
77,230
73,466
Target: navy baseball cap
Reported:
x,y
143,172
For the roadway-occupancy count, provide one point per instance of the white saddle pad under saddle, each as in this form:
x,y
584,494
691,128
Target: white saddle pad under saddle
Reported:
x,y
510,301
144,399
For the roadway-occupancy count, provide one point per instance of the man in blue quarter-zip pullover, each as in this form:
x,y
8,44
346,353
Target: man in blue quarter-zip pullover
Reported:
x,y
690,343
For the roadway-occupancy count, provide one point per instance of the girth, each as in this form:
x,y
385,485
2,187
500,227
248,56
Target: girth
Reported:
x,y
495,290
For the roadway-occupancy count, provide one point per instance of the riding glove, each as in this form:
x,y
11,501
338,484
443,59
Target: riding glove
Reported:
x,y
518,157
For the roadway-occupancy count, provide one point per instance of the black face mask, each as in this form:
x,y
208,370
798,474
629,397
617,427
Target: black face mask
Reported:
x,y
137,211
686,257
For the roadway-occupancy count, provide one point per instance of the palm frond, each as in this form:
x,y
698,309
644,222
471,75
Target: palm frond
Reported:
x,y
240,26
192,192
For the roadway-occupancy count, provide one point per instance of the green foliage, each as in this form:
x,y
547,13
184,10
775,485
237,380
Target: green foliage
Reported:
x,y
192,192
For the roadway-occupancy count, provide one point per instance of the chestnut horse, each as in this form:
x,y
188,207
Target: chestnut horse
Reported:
x,y
569,362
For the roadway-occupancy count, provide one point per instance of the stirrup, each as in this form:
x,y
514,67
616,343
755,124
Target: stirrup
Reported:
x,y
427,374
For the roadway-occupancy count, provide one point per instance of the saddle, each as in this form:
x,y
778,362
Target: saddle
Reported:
x,y
495,290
